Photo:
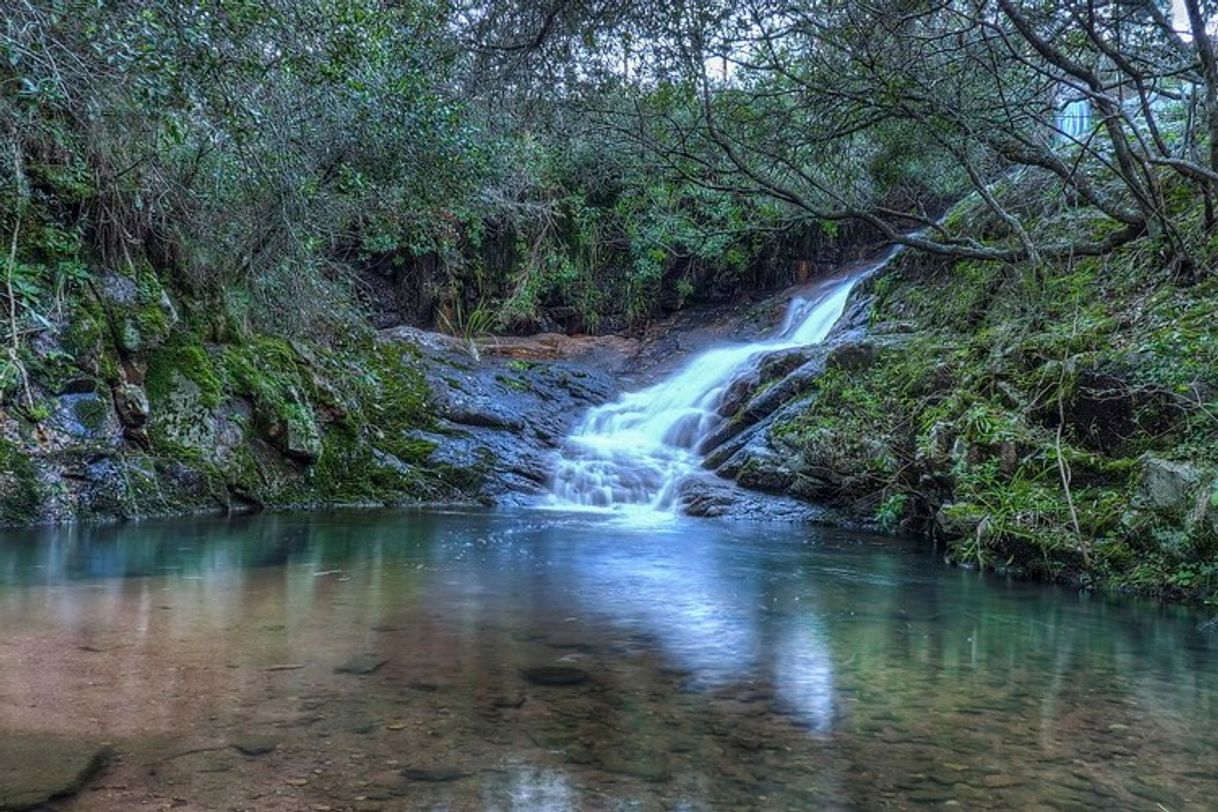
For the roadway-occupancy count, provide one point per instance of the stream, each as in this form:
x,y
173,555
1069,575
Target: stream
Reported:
x,y
632,454
545,660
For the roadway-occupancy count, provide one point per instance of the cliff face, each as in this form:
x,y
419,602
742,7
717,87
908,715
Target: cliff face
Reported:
x,y
142,402
1058,424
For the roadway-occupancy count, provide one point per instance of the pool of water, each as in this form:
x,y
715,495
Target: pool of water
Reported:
x,y
404,660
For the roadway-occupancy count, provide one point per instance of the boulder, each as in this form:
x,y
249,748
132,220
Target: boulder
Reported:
x,y
935,450
958,520
708,495
763,470
301,439
1167,487
851,356
779,364
85,417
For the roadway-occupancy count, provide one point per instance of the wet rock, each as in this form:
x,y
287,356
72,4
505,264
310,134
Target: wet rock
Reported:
x,y
779,364
34,768
761,469
737,394
481,413
710,496
362,664
785,391
556,675
254,745
1167,487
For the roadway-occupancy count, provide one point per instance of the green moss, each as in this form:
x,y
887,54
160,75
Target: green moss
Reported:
x,y
85,329
183,355
516,384
21,492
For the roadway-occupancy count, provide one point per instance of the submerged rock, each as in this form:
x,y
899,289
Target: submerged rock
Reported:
x,y
254,745
651,767
361,664
34,768
434,774
556,675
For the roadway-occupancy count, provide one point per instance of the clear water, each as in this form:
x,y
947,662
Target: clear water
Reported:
x,y
730,666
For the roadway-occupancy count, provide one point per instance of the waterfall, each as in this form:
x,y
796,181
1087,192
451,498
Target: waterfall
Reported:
x,y
634,451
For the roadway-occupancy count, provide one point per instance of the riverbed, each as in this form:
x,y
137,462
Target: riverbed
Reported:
x,y
542,660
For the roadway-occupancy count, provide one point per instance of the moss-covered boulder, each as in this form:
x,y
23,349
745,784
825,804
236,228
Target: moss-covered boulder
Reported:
x,y
1167,487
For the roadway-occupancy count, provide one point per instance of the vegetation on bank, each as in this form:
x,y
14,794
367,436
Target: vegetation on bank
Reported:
x,y
1057,420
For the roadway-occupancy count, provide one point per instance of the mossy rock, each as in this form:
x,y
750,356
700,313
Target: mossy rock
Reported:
x,y
21,491
959,520
183,358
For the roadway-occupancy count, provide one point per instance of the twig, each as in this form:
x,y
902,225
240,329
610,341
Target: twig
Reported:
x,y
1063,468
14,349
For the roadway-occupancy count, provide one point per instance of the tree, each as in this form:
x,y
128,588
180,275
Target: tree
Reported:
x,y
796,100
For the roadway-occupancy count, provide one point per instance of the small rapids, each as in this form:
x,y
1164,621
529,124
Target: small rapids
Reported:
x,y
636,450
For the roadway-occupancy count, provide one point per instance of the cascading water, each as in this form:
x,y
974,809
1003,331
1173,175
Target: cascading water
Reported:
x,y
637,449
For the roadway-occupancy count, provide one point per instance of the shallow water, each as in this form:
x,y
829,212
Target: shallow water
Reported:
x,y
729,666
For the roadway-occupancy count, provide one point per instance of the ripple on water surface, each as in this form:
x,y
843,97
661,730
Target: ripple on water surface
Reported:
x,y
541,660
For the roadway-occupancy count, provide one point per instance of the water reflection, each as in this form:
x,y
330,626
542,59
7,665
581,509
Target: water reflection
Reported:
x,y
724,662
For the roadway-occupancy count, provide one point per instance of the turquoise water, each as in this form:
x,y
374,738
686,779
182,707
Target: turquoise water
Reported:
x,y
389,660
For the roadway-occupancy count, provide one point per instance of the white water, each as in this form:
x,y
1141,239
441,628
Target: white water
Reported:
x,y
635,450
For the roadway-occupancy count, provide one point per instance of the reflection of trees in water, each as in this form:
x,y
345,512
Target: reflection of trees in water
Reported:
x,y
190,547
835,664
892,629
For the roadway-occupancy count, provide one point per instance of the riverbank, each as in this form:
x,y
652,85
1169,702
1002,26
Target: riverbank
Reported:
x,y
1054,421
145,403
